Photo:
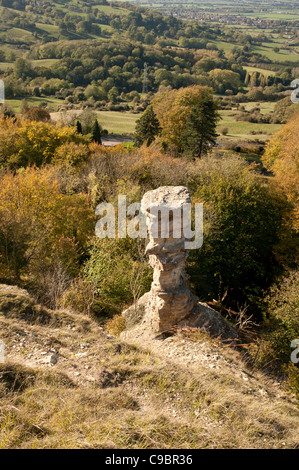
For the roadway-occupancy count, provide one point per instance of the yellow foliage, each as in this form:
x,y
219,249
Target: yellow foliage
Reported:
x,y
28,192
282,158
38,222
24,143
71,153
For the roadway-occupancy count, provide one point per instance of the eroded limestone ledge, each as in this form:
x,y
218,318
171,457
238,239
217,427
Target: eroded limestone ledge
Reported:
x,y
170,303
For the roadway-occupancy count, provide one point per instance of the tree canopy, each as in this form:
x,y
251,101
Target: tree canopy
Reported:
x,y
188,118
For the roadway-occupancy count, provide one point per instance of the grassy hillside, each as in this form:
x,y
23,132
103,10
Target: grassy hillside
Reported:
x,y
67,383
77,55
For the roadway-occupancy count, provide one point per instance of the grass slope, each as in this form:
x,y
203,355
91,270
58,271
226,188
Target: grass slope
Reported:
x,y
103,393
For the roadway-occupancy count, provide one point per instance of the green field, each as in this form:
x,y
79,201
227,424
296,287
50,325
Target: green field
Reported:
x,y
104,8
123,123
35,63
243,129
118,122
265,106
52,103
5,65
266,49
44,62
49,28
283,55
265,72
115,122
19,34
224,46
112,9
274,15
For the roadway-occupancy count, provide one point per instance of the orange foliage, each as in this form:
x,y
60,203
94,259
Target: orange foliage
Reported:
x,y
282,158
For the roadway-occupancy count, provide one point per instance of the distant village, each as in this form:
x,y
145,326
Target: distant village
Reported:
x,y
195,12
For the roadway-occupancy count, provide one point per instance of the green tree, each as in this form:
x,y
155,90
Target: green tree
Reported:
x,y
224,79
147,128
247,78
113,94
243,224
22,69
96,135
200,131
254,79
98,93
79,127
283,308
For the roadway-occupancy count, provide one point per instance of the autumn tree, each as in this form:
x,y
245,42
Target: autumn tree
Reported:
x,y
24,143
71,154
173,109
282,158
36,113
24,106
40,227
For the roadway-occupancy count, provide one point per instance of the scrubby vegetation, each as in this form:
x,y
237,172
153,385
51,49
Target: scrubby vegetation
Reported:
x,y
53,178
183,89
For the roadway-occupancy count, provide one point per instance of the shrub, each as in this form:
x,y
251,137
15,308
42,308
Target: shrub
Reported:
x,y
283,321
119,271
37,114
281,157
71,153
115,325
24,143
79,296
243,223
43,233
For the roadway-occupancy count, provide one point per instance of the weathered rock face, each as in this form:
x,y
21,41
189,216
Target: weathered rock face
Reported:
x,y
170,297
170,302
